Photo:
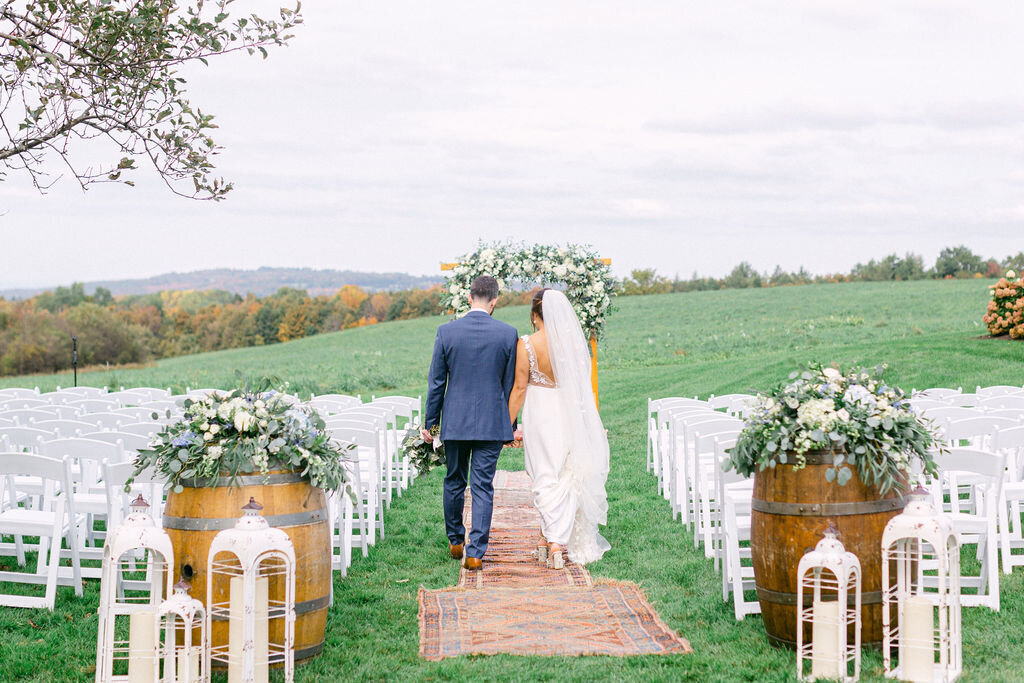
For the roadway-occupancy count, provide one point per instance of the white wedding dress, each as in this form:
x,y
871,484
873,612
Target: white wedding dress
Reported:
x,y
565,444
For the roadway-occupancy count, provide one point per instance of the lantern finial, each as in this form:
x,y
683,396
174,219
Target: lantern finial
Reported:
x,y
252,505
139,502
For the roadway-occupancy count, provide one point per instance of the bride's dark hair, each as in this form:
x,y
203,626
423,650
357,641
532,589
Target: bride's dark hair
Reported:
x,y
535,307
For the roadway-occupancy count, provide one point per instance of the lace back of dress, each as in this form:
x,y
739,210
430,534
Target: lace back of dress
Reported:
x,y
537,377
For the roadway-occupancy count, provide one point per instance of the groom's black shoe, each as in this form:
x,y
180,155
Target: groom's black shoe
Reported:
x,y
455,549
473,564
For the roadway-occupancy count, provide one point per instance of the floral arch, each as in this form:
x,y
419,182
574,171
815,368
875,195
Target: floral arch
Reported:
x,y
585,277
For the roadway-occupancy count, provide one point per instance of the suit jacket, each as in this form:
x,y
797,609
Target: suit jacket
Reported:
x,y
471,376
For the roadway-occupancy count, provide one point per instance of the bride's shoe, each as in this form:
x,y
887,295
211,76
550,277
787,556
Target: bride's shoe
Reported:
x,y
542,549
556,556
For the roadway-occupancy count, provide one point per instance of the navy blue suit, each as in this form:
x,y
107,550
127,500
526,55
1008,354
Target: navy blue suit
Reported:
x,y
471,376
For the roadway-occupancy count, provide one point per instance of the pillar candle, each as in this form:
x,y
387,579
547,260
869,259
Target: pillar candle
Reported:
x,y
188,662
142,646
825,655
261,634
918,631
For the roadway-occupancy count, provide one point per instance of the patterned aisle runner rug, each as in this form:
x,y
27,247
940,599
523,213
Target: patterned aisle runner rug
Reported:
x,y
517,606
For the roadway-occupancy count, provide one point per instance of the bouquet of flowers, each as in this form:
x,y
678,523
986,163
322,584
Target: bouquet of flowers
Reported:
x,y
867,423
423,454
245,431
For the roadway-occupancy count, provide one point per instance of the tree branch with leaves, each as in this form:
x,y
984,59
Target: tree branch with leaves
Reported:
x,y
75,70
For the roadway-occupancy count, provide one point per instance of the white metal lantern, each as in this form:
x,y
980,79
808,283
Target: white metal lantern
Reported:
x,y
137,539
921,586
831,577
247,564
181,616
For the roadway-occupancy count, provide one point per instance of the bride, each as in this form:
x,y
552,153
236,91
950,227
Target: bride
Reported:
x,y
565,443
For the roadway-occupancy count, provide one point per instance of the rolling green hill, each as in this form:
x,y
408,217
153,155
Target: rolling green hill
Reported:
x,y
673,344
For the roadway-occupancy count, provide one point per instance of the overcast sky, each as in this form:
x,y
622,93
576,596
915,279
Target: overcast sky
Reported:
x,y
391,136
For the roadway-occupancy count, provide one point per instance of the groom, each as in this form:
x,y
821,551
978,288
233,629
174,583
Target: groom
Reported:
x,y
471,377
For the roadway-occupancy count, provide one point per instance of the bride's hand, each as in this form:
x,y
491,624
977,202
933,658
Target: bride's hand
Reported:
x,y
518,434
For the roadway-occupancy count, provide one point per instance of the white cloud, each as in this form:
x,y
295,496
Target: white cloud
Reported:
x,y
392,136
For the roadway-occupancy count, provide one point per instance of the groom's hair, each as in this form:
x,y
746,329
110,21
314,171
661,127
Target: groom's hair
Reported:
x,y
484,288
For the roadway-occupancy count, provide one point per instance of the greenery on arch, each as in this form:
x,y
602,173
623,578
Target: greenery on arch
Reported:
x,y
587,280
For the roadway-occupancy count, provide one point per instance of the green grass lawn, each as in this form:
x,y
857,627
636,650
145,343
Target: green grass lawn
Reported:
x,y
674,344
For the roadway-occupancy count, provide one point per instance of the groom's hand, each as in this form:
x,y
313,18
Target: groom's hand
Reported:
x,y
427,436
518,434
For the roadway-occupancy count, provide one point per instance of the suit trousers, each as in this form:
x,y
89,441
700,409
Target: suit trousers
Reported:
x,y
477,462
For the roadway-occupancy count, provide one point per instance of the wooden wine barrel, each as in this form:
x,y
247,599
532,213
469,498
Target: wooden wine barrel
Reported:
x,y
790,511
193,518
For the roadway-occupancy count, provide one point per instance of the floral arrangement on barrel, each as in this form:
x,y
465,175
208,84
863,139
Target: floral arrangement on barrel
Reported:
x,y
868,424
245,431
1005,314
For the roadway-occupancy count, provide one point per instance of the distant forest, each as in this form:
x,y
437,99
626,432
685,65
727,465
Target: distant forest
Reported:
x,y
35,333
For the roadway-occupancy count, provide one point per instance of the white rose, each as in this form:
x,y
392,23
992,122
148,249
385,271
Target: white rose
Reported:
x,y
831,373
214,429
207,436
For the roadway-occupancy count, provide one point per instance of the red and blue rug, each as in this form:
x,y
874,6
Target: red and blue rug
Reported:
x,y
517,606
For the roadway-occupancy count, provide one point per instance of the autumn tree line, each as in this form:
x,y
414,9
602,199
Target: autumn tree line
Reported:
x,y
35,333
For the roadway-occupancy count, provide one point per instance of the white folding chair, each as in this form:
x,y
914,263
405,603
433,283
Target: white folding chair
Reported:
x,y
1010,442
702,489
735,493
367,465
131,443
23,403
23,438
924,404
964,400
408,414
980,525
389,446
89,494
108,420
654,433
52,520
664,427
946,413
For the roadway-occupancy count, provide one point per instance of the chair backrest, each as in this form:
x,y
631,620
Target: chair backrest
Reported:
x,y
966,400
936,392
18,392
23,403
62,412
1000,390
386,412
136,413
107,420
162,407
130,442
947,413
96,405
7,423
976,428
64,427
985,464
59,398
733,403
39,476
1010,441
23,438
27,415
405,406
1005,401
89,453
334,402
143,428
84,392
722,447
922,404
705,436
1012,413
